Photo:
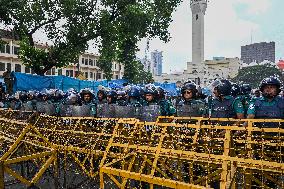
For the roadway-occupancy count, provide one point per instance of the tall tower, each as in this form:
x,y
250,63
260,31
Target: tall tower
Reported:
x,y
198,8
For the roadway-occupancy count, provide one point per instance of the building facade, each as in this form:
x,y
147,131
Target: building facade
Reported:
x,y
86,64
217,68
258,52
157,61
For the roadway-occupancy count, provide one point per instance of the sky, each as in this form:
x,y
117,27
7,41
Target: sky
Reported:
x,y
229,24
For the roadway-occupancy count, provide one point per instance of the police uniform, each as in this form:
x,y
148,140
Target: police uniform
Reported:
x,y
190,108
265,109
226,108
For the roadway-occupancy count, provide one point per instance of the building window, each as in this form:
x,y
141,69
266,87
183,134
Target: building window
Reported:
x,y
99,76
2,48
53,71
16,50
116,76
32,71
86,61
104,76
91,74
76,73
95,62
48,72
71,73
119,67
9,66
18,68
8,49
196,17
86,75
67,73
83,60
115,66
90,62
27,70
60,72
2,66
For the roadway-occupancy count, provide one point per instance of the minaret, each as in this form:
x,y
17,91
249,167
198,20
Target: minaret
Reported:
x,y
198,8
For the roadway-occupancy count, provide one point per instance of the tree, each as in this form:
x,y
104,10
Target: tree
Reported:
x,y
136,20
116,25
254,74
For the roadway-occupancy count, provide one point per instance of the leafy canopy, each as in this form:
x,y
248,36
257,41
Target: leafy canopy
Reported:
x,y
255,74
115,25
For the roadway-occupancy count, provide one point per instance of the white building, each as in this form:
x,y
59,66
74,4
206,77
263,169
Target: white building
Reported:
x,y
198,9
86,64
219,67
157,61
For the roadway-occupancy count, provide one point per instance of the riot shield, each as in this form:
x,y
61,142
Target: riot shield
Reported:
x,y
124,111
106,110
188,111
150,113
81,111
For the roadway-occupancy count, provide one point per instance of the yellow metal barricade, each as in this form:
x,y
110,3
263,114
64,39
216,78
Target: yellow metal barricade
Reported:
x,y
171,152
22,159
197,152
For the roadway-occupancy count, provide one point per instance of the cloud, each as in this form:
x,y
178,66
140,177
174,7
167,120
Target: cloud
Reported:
x,y
225,33
255,7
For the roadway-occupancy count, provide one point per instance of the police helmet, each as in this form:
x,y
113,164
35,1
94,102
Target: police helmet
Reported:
x,y
23,96
160,92
86,91
246,89
236,89
112,93
149,91
134,92
223,87
270,81
189,86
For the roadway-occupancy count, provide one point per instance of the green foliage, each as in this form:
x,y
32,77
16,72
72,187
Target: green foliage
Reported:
x,y
116,25
254,74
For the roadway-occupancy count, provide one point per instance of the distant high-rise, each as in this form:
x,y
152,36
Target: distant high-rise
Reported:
x,y
258,52
157,62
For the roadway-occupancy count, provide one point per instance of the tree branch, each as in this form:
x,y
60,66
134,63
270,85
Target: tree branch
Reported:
x,y
44,23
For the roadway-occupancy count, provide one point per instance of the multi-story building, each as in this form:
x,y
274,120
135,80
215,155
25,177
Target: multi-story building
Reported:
x,y
157,61
86,64
258,52
219,67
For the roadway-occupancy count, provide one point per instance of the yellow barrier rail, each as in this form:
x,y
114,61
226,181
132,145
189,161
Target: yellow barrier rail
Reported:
x,y
171,152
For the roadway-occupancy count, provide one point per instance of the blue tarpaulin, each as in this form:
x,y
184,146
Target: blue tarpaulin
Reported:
x,y
34,82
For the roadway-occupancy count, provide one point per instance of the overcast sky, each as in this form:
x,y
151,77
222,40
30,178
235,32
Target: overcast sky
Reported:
x,y
229,24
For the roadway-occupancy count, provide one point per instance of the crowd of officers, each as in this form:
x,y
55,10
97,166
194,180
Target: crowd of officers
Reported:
x,y
228,100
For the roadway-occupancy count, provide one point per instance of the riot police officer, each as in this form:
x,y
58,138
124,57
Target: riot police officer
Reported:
x,y
88,106
107,110
151,110
12,103
121,98
223,105
44,104
101,97
270,105
189,106
134,97
66,107
246,97
27,101
167,109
